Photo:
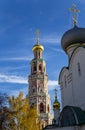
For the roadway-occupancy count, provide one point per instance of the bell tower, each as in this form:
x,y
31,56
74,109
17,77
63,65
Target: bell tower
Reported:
x,y
38,83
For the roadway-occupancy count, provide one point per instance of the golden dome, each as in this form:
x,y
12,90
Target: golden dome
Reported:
x,y
38,47
56,105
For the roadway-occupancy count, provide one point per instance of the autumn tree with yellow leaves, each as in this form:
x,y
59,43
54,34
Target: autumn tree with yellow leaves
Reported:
x,y
20,116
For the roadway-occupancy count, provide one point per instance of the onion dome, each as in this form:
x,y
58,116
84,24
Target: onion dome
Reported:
x,y
56,104
37,47
73,37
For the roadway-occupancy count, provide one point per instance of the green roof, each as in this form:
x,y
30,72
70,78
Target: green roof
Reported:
x,y
80,115
71,116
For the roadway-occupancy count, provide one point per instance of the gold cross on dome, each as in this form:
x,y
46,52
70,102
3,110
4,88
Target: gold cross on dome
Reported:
x,y
37,36
75,11
55,90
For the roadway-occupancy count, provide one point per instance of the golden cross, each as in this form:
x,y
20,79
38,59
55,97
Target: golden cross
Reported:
x,y
75,11
37,36
55,90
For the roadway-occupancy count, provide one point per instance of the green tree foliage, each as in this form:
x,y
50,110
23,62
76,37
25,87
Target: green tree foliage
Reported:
x,y
19,115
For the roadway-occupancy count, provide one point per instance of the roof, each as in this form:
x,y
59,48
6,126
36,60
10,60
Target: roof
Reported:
x,y
73,37
71,116
38,47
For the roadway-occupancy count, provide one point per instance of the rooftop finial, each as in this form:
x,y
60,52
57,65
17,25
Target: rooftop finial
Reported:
x,y
37,36
75,11
55,90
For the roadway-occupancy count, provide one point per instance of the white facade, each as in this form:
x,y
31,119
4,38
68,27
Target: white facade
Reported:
x,y
72,80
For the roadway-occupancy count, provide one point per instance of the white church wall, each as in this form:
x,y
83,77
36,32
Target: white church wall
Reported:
x,y
66,87
72,80
78,74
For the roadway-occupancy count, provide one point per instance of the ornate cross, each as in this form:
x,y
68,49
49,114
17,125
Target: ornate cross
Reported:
x,y
55,90
37,36
75,11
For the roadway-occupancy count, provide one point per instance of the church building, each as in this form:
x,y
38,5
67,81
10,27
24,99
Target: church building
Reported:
x,y
38,85
72,80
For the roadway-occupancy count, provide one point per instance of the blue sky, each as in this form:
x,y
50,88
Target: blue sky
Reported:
x,y
19,20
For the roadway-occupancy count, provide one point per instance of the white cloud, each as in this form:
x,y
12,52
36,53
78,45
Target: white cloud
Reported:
x,y
21,80
52,84
16,59
13,79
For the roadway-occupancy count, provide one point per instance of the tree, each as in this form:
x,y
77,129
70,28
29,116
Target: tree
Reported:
x,y
3,100
22,116
19,115
3,108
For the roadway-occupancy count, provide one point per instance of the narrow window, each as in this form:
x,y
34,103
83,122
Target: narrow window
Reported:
x,y
48,108
33,90
65,80
41,108
79,69
34,67
40,67
39,54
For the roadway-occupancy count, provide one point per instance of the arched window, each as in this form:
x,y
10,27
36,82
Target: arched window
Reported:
x,y
41,107
39,54
35,67
33,90
40,67
35,54
48,108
